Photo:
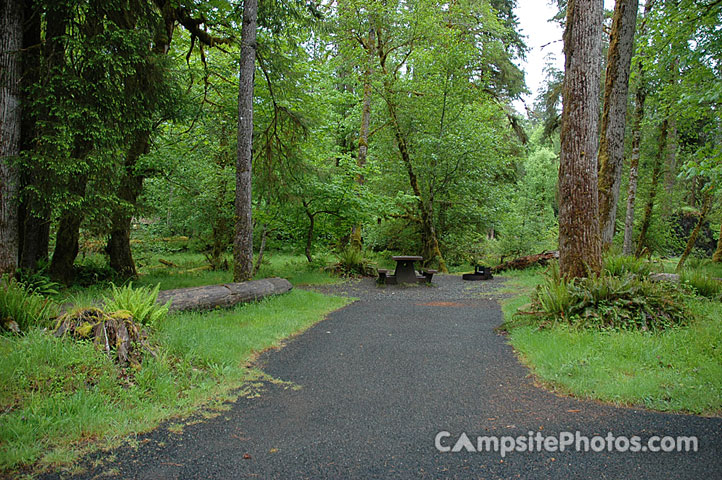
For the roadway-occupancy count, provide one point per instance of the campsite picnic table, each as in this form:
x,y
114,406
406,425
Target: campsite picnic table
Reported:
x,y
405,271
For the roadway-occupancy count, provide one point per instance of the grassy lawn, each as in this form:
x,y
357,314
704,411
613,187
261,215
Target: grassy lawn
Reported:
x,y
189,269
60,398
678,370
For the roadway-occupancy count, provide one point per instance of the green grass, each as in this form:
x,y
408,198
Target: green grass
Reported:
x,y
59,397
677,370
191,270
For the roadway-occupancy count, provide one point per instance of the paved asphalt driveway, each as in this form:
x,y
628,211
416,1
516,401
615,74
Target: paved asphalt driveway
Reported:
x,y
381,378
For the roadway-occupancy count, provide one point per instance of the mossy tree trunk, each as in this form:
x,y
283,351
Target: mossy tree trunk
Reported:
x,y
649,206
131,185
579,241
614,114
640,99
717,257
707,204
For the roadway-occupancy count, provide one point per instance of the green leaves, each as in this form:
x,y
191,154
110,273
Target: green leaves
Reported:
x,y
139,302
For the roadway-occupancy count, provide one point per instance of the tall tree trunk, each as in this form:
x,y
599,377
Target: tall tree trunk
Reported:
x,y
614,113
428,231
67,237
656,173
641,96
579,241
695,233
243,241
11,41
131,185
34,215
363,137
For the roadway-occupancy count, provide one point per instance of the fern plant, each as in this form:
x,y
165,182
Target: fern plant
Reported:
x,y
21,308
140,302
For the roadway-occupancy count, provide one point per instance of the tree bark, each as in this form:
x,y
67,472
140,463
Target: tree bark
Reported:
x,y
213,296
579,241
649,206
695,233
243,241
640,97
11,41
525,262
131,185
627,249
67,237
309,232
614,113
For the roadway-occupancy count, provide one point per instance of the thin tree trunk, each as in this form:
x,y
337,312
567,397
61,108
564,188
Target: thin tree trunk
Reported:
x,y
717,257
670,169
656,173
309,233
695,233
428,231
627,249
243,240
131,185
261,249
579,241
640,97
363,137
11,40
614,113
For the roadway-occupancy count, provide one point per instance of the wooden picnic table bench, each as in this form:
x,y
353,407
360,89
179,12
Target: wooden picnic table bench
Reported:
x,y
405,271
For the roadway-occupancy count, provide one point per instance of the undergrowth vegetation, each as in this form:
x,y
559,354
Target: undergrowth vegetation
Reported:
x,y
622,301
140,302
588,337
21,308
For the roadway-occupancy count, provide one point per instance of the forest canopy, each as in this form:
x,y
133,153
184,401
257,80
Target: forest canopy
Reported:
x,y
377,126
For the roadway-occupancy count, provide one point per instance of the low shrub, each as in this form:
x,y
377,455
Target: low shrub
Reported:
x,y
140,302
701,283
620,265
92,270
606,302
21,308
351,261
38,281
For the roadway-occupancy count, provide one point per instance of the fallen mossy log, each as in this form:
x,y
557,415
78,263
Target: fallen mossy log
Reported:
x,y
226,295
525,262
